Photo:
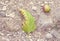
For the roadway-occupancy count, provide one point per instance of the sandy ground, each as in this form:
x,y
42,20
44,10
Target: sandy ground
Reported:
x,y
48,24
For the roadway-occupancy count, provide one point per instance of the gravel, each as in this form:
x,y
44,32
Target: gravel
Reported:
x,y
48,24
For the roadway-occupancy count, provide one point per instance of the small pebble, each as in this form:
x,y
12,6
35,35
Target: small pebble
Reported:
x,y
31,40
1,33
48,35
31,3
11,15
45,2
6,1
40,40
4,8
51,2
42,4
39,2
34,8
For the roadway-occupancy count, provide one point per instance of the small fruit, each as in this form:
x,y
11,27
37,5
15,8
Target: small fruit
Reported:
x,y
46,8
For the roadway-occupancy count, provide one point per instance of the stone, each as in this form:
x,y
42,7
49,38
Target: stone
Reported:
x,y
48,35
4,8
34,8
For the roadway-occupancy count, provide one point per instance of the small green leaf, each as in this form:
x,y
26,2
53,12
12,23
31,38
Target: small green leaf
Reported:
x,y
29,23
